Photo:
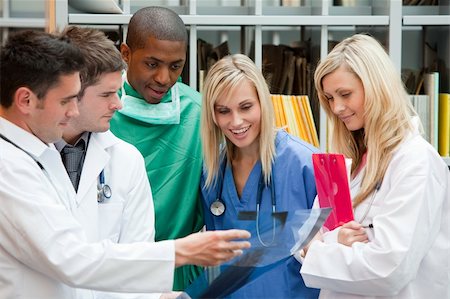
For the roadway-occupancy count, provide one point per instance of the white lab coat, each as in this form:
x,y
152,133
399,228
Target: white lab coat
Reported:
x,y
409,249
128,216
44,251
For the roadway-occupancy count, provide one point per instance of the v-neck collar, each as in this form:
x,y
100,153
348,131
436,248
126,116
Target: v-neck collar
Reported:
x,y
248,191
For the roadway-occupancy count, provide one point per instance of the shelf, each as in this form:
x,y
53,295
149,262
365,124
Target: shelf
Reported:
x,y
286,20
350,11
99,19
427,20
22,22
238,20
420,10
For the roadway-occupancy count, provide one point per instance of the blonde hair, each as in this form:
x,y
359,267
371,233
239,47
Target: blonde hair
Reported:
x,y
222,78
387,118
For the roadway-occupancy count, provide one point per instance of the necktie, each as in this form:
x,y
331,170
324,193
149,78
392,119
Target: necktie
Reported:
x,y
72,157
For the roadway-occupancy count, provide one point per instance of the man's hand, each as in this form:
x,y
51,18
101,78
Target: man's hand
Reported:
x,y
171,295
210,248
352,232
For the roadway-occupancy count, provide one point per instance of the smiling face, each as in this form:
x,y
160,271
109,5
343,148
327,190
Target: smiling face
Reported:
x,y
345,94
50,116
238,115
155,68
97,106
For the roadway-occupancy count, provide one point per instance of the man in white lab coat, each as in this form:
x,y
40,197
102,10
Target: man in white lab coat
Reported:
x,y
113,195
44,250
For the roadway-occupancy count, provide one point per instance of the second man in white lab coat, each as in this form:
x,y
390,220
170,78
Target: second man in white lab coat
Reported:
x,y
110,184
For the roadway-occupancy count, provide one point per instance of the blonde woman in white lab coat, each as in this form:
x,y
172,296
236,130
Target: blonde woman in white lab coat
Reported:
x,y
398,245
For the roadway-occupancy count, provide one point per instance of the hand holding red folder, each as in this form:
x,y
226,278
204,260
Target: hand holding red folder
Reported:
x,y
332,188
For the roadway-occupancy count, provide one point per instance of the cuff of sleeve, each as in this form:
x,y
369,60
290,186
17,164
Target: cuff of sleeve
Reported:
x,y
300,256
331,236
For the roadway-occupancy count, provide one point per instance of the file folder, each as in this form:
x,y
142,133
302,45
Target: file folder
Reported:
x,y
333,188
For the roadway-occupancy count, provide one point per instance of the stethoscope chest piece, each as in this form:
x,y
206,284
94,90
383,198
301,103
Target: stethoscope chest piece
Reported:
x,y
104,193
217,207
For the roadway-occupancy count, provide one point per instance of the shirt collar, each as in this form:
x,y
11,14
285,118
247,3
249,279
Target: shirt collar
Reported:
x,y
62,143
22,138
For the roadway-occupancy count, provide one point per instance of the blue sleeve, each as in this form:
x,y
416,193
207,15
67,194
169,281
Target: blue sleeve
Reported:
x,y
294,173
308,178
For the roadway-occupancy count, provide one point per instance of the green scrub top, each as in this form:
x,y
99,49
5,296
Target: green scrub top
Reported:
x,y
173,159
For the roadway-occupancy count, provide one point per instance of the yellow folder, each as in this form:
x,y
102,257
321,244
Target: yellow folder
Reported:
x,y
444,125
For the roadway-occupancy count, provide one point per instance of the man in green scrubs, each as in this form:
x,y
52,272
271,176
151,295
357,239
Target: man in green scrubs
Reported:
x,y
161,117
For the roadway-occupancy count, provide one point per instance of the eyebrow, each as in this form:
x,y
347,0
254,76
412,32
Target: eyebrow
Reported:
x,y
246,101
162,61
70,97
108,92
218,105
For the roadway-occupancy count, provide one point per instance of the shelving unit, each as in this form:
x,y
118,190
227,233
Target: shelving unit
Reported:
x,y
267,22
20,15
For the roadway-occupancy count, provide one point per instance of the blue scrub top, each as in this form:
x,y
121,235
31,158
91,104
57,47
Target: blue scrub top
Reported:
x,y
294,189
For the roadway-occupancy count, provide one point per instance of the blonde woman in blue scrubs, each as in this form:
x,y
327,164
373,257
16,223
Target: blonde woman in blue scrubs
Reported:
x,y
241,150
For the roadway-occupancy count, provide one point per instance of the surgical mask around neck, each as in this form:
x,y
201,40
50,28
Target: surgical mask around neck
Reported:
x,y
158,114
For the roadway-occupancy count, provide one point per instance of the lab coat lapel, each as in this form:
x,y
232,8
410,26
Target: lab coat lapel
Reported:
x,y
51,160
94,162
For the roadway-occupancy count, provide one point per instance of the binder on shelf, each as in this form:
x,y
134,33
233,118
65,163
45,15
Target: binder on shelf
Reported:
x,y
310,119
302,128
290,116
207,55
272,63
304,119
293,113
421,104
431,88
444,124
330,174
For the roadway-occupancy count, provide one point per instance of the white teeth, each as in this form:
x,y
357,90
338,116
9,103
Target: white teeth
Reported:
x,y
240,131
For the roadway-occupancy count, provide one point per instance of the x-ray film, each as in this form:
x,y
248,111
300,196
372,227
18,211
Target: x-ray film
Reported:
x,y
274,240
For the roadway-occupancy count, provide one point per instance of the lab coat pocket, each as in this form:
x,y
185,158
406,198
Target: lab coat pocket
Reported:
x,y
110,220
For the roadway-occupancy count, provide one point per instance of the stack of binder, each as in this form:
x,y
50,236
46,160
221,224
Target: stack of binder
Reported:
x,y
293,113
287,69
433,110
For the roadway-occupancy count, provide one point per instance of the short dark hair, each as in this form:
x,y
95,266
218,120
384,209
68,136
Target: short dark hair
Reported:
x,y
100,54
36,60
159,22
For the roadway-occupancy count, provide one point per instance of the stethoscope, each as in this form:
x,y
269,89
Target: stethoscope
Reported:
x,y
369,206
34,159
218,207
103,190
37,162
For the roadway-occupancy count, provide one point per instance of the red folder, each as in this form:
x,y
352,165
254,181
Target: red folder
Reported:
x,y
332,188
